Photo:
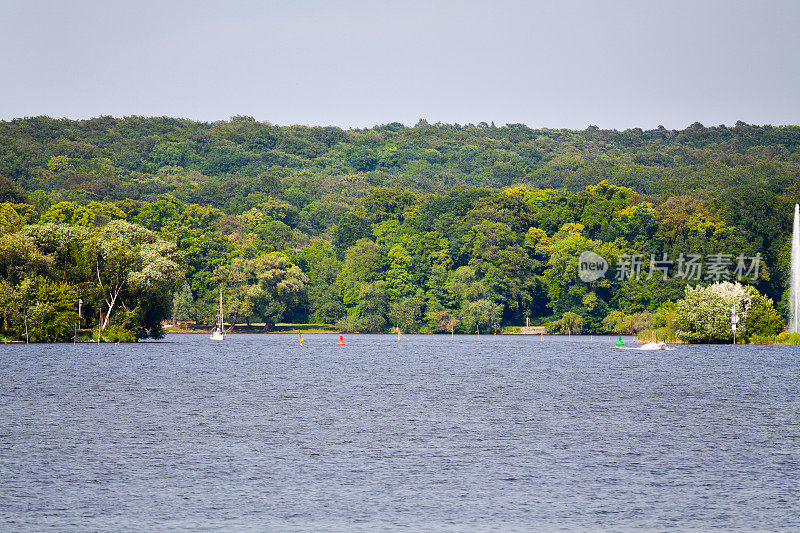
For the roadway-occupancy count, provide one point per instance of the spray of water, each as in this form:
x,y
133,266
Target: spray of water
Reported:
x,y
794,281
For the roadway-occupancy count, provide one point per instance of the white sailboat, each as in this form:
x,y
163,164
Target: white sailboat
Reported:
x,y
219,330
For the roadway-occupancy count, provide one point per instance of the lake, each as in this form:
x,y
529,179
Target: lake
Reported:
x,y
497,433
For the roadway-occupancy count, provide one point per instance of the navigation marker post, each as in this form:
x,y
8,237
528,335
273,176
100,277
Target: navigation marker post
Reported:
x,y
75,337
734,321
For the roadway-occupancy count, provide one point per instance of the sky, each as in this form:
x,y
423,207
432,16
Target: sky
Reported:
x,y
354,64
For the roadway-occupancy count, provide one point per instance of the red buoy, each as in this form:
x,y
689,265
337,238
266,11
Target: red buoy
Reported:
x,y
341,341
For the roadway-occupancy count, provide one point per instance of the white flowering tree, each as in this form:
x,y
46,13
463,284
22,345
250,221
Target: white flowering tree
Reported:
x,y
136,271
704,315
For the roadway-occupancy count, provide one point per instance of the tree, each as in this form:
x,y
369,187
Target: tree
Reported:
x,y
318,261
20,257
703,315
319,215
10,221
439,318
762,318
62,244
132,265
481,314
363,264
503,264
54,313
407,313
352,228
398,280
183,309
570,323
362,159
373,306
564,288
280,287
387,203
69,213
620,323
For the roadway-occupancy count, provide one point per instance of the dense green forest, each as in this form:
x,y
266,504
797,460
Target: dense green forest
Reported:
x,y
428,228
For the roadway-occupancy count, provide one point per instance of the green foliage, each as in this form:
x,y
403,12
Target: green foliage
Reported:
x,y
428,227
788,338
762,318
183,309
619,323
10,221
407,313
53,314
350,230
387,203
569,323
481,314
373,307
116,333
68,213
704,314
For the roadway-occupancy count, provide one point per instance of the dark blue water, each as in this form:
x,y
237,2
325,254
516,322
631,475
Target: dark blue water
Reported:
x,y
504,433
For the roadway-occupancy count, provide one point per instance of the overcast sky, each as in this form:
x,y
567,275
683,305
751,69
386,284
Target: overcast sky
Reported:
x,y
615,64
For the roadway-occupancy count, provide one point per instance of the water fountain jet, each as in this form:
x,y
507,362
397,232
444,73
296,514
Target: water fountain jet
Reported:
x,y
794,277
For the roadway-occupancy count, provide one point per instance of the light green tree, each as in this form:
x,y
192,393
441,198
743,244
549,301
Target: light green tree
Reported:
x,y
398,279
569,323
10,221
373,306
183,309
53,315
407,312
480,315
279,287
69,213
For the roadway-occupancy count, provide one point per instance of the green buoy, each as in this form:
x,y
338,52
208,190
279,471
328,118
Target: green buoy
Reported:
x,y
619,342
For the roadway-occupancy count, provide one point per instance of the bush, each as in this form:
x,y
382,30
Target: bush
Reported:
x,y
347,324
114,333
54,314
763,339
763,320
788,338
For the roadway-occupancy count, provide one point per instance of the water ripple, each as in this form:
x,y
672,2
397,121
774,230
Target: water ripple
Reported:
x,y
504,433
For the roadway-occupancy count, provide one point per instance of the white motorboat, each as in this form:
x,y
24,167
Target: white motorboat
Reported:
x,y
647,346
653,346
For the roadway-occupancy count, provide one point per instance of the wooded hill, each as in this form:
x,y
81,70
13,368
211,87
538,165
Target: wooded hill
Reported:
x,y
419,226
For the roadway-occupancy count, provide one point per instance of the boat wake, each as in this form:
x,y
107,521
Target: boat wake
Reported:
x,y
650,346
